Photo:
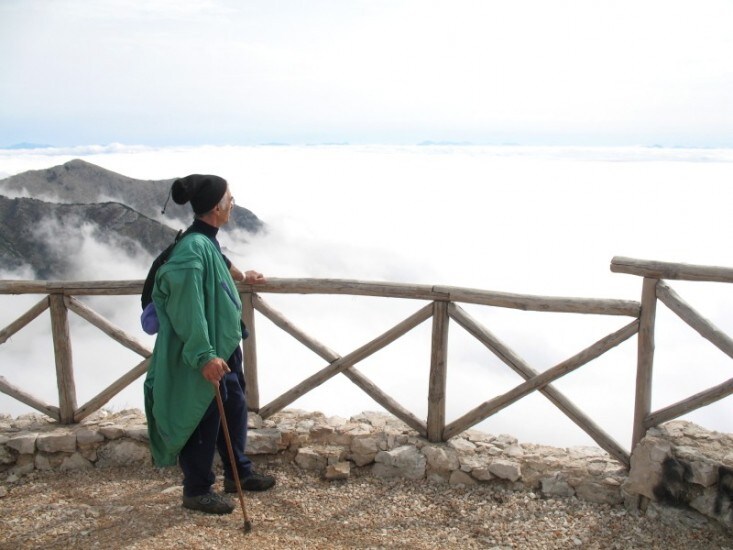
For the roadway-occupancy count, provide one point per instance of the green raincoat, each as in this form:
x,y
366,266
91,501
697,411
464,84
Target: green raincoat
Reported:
x,y
199,312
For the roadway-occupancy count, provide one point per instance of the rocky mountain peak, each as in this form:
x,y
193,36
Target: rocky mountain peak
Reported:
x,y
79,195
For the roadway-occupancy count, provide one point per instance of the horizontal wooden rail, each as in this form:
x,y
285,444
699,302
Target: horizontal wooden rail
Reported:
x,y
541,303
354,288
669,270
72,288
273,285
345,287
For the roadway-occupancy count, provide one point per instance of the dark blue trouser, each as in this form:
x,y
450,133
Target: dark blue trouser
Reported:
x,y
197,456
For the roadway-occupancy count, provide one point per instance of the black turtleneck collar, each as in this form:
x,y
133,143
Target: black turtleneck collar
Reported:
x,y
200,226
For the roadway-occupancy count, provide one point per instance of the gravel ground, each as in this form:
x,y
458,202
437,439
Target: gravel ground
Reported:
x,y
140,508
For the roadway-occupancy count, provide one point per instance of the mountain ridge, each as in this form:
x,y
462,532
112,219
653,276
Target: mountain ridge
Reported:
x,y
54,209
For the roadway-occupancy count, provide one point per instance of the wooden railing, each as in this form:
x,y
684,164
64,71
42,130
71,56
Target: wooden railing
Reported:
x,y
442,307
654,288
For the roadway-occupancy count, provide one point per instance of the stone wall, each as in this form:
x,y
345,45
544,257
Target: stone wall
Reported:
x,y
685,467
679,465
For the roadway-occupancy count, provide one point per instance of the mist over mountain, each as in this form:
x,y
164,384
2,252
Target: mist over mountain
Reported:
x,y
44,235
45,215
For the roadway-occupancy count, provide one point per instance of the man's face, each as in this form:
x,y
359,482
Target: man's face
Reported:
x,y
228,205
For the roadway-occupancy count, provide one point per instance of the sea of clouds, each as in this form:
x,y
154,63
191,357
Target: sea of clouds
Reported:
x,y
543,221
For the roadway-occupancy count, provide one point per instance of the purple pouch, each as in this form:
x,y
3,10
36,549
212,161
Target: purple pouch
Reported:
x,y
149,319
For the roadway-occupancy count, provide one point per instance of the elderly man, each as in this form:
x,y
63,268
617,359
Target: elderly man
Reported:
x,y
198,345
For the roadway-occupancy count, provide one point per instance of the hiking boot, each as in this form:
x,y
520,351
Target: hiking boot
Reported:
x,y
253,482
210,503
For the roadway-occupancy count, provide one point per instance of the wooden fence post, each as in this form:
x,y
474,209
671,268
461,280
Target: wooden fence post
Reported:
x,y
645,359
64,363
438,364
250,353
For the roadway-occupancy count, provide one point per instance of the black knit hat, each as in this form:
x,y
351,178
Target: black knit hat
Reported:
x,y
203,191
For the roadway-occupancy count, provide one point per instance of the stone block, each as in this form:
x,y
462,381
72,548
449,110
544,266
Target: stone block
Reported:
x,y
556,487
364,450
254,421
646,466
321,433
676,516
505,440
89,452
310,459
30,422
356,430
339,438
482,474
121,453
461,445
405,461
265,441
75,462
599,493
514,451
112,431
333,454
138,432
460,478
86,437
506,469
290,440
437,476
305,426
6,457
336,421
585,453
708,503
704,473
24,443
44,461
340,470
596,468
57,442
374,418
470,462
476,436
24,464
440,458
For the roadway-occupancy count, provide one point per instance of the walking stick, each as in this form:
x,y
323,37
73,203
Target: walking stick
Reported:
x,y
247,523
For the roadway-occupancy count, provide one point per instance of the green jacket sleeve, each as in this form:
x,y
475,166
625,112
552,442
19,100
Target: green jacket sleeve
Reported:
x,y
185,309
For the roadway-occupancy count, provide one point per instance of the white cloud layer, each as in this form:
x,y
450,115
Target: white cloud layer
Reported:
x,y
541,221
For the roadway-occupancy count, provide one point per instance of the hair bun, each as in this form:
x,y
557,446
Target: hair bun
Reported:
x,y
180,192
204,191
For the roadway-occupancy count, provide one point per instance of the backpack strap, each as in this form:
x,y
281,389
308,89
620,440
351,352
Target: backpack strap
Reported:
x,y
147,294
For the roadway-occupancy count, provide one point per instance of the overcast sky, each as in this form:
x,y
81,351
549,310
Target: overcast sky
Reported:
x,y
170,72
